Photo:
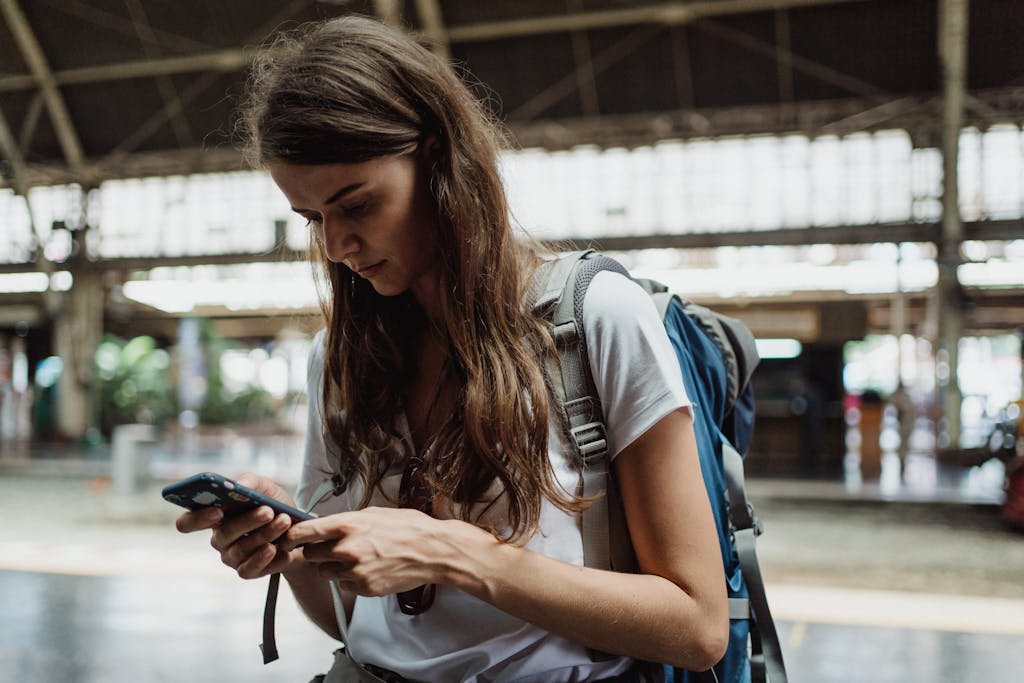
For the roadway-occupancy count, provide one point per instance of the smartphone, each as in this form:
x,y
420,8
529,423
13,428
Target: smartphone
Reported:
x,y
209,489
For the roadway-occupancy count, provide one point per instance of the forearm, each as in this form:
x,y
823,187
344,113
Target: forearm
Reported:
x,y
313,593
637,615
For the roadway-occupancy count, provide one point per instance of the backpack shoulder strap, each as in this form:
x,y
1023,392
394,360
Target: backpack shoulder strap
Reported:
x,y
560,296
766,651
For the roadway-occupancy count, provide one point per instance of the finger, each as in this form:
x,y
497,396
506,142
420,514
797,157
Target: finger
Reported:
x,y
239,551
281,561
330,551
256,564
252,481
237,526
265,486
310,531
197,520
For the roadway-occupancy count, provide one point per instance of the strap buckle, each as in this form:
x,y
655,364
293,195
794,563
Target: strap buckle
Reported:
x,y
756,524
749,520
591,441
340,484
565,334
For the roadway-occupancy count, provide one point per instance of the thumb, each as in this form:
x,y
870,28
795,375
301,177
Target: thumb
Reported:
x,y
263,485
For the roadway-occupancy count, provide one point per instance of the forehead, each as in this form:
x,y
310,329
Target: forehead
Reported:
x,y
302,179
310,185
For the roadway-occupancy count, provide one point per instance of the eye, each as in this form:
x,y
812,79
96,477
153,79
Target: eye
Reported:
x,y
312,220
360,209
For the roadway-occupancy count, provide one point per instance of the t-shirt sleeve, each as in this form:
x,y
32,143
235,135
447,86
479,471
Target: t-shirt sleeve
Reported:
x,y
635,369
315,467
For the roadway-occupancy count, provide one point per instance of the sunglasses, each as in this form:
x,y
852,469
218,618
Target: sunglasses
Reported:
x,y
415,493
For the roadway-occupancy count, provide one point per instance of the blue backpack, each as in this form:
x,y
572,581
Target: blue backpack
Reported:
x,y
716,358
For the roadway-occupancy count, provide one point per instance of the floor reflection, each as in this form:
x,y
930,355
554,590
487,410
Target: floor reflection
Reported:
x,y
912,470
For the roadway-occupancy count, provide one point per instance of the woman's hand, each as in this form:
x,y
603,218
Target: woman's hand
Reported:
x,y
379,551
246,541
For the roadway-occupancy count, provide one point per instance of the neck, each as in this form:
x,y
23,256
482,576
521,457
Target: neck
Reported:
x,y
427,294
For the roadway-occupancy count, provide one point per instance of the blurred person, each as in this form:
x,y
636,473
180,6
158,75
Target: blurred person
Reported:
x,y
906,418
454,542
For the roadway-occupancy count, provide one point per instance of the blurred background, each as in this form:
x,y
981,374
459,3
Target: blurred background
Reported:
x,y
845,176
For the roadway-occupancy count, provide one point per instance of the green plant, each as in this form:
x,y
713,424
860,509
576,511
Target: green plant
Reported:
x,y
133,382
221,404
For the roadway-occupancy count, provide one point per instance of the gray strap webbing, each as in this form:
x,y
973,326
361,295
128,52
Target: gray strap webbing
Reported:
x,y
269,644
661,302
326,489
557,273
739,608
581,409
766,654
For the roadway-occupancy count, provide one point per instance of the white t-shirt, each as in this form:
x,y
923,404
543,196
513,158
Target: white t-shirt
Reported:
x,y
461,638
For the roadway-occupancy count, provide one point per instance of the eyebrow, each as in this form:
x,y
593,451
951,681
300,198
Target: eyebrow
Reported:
x,y
348,189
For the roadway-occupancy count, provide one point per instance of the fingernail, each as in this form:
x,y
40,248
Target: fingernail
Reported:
x,y
281,522
264,514
214,514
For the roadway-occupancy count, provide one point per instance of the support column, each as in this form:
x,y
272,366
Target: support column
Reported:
x,y
77,332
953,19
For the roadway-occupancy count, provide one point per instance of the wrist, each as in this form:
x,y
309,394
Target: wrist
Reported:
x,y
296,569
476,558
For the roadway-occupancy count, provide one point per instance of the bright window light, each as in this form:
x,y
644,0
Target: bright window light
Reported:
x,y
778,348
17,283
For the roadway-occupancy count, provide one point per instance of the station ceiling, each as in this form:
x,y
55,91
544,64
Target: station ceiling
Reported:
x,y
123,88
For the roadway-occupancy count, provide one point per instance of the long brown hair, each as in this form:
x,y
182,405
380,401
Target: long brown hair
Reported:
x,y
349,90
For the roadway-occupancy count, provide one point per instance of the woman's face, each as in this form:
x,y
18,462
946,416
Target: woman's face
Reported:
x,y
376,217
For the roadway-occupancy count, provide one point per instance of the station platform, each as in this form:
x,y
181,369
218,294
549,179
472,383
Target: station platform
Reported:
x,y
866,584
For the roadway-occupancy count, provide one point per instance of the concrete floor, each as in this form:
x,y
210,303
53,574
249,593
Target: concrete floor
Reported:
x,y
87,629
97,587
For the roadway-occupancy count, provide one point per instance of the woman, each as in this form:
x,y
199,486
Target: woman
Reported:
x,y
455,545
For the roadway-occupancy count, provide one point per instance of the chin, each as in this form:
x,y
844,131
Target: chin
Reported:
x,y
388,289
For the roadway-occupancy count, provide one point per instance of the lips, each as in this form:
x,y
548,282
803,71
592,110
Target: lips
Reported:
x,y
370,270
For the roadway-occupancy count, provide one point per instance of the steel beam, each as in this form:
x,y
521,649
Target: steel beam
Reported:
x,y
195,88
668,14
12,152
953,17
236,59
837,117
389,12
849,234
117,23
1005,230
28,126
432,20
168,91
43,77
783,57
221,60
555,92
796,62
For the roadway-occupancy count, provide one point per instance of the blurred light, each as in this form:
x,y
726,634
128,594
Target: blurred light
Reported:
x,y
61,281
992,274
19,372
16,283
274,376
175,298
253,289
48,371
778,348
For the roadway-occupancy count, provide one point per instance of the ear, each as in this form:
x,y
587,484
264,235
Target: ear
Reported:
x,y
430,148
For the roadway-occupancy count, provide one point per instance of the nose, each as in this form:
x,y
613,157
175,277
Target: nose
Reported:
x,y
339,241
